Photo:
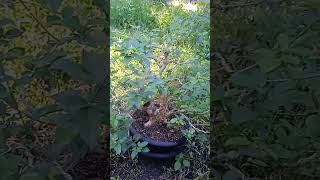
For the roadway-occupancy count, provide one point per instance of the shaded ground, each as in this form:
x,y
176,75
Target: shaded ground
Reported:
x,y
141,169
94,166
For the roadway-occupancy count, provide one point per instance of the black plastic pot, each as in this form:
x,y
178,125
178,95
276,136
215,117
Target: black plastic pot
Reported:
x,y
160,149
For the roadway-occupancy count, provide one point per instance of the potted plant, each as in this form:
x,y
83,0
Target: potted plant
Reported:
x,y
158,123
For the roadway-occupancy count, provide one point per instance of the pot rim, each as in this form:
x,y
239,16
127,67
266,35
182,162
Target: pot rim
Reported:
x,y
150,141
160,155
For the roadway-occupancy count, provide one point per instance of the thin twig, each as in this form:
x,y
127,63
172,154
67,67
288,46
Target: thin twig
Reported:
x,y
189,121
224,63
247,68
242,5
303,32
38,21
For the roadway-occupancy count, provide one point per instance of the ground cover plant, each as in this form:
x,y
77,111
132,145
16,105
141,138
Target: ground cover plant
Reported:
x,y
159,64
265,91
53,67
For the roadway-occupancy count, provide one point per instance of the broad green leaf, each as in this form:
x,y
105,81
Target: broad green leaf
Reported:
x,y
6,21
97,38
86,121
242,114
267,59
69,20
100,3
218,94
73,69
143,144
54,4
186,163
313,125
118,149
15,53
114,123
290,59
44,110
283,40
258,162
134,154
64,136
3,108
71,101
237,141
3,92
251,78
33,176
54,20
13,33
232,175
96,65
9,167
177,165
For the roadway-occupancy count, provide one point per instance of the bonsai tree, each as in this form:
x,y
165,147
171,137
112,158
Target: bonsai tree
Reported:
x,y
159,110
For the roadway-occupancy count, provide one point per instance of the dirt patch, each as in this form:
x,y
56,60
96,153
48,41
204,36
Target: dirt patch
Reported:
x,y
139,169
159,131
92,166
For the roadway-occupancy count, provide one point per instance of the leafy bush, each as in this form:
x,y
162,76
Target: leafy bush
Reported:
x,y
266,89
53,85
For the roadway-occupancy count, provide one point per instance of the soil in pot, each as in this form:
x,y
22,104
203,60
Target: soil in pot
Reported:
x,y
159,131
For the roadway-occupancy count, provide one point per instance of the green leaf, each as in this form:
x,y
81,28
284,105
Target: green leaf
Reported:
x,y
54,4
64,136
9,167
258,162
251,78
218,94
237,141
97,38
44,110
3,92
54,20
100,3
267,59
96,65
114,123
67,12
177,165
73,69
15,53
134,154
13,33
3,108
118,149
242,114
71,101
69,20
86,121
313,125
186,163
283,41
33,176
289,59
143,144
232,175
5,21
